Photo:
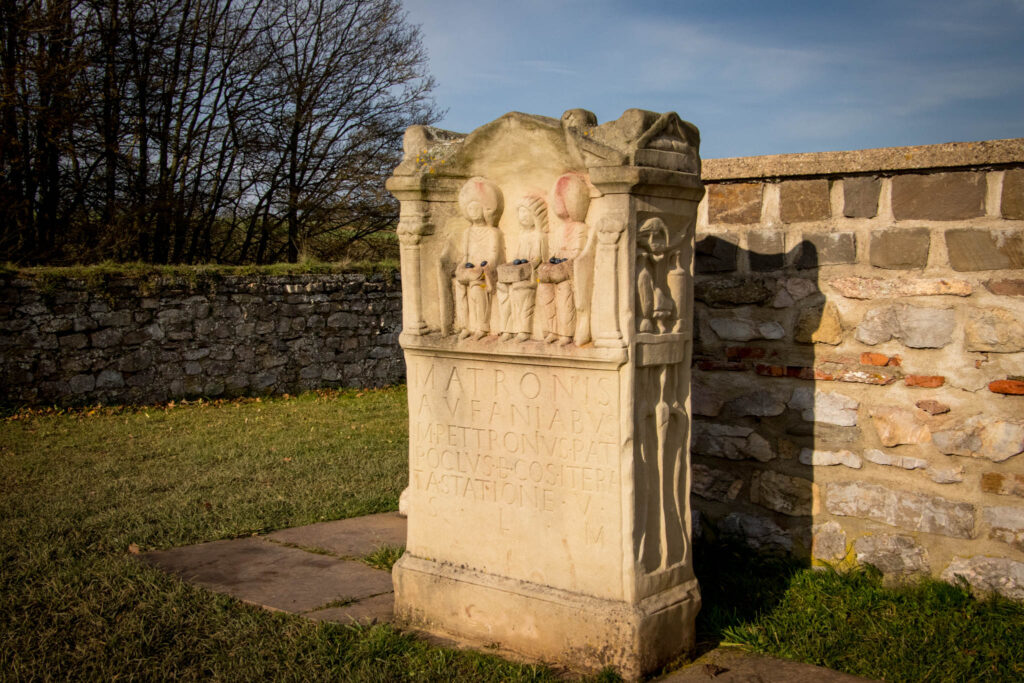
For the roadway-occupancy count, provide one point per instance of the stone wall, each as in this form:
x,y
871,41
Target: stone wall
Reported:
x,y
151,339
859,372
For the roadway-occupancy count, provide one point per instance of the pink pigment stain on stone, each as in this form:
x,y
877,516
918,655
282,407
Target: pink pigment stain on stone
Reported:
x,y
561,187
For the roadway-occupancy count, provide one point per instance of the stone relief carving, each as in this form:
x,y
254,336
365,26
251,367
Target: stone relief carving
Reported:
x,y
662,432
477,257
517,279
413,225
566,279
551,346
661,278
552,282
662,421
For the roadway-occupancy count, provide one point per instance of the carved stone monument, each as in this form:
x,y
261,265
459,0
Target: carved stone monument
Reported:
x,y
547,295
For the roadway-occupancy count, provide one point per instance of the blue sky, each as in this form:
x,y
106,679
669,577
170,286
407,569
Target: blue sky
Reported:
x,y
755,77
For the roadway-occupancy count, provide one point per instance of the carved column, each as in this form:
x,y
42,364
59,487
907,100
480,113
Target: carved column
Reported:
x,y
413,225
606,285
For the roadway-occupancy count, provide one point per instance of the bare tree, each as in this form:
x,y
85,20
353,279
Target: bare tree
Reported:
x,y
344,79
198,130
40,59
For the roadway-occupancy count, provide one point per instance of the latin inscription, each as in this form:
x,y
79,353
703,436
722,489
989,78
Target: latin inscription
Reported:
x,y
528,454
512,437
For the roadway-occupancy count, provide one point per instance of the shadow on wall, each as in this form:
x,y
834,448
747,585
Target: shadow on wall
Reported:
x,y
756,315
753,446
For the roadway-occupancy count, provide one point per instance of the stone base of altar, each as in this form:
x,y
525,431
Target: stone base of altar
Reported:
x,y
543,623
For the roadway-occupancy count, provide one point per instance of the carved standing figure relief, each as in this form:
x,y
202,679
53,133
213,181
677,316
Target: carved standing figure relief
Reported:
x,y
661,280
566,278
653,304
517,280
479,254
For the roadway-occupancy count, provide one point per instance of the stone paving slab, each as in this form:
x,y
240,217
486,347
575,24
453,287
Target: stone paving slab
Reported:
x,y
734,665
271,575
373,610
279,572
355,537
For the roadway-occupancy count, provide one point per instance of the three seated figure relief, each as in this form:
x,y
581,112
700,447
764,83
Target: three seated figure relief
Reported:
x,y
552,287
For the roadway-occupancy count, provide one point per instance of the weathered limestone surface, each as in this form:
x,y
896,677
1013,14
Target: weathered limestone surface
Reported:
x,y
905,462
994,329
981,437
989,574
829,541
877,288
824,249
907,510
981,249
547,294
735,203
717,253
893,554
730,442
715,484
897,425
917,327
758,532
817,458
767,250
825,406
819,325
1003,484
1012,205
804,200
794,496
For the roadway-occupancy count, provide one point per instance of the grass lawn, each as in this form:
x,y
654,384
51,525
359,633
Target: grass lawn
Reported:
x,y
81,491
850,621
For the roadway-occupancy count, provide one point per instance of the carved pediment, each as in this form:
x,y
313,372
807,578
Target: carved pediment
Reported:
x,y
638,137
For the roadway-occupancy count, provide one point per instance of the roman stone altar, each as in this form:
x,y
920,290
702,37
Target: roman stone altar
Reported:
x,y
547,296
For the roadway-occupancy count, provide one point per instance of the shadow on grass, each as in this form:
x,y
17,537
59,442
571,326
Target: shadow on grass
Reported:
x,y
919,629
738,585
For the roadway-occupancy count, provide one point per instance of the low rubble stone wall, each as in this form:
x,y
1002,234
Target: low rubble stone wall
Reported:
x,y
147,340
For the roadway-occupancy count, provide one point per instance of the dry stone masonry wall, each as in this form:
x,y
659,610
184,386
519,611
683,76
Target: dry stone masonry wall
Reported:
x,y
859,371
144,341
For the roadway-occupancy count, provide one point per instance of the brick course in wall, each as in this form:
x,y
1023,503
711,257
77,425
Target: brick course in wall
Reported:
x,y
140,341
858,384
